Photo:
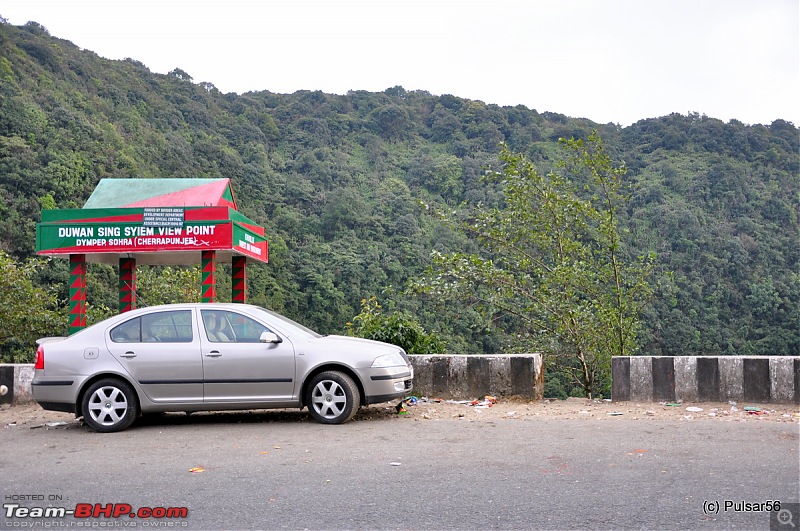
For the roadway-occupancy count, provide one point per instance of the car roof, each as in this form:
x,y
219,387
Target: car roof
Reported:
x,y
187,306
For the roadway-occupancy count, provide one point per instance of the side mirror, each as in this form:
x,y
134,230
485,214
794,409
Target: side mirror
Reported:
x,y
269,337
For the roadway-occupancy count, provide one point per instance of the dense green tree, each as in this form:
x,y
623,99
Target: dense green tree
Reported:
x,y
166,285
27,311
397,328
552,257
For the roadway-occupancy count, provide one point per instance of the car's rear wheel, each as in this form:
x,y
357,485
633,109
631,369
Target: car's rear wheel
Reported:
x,y
332,397
109,405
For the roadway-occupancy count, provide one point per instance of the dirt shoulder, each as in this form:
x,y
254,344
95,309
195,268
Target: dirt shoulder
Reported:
x,y
580,408
31,415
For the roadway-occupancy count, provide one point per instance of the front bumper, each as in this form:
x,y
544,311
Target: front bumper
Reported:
x,y
387,383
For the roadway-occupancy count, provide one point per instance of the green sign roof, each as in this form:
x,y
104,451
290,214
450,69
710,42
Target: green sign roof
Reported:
x,y
132,193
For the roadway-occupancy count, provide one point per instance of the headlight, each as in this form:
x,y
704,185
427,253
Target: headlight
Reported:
x,y
389,360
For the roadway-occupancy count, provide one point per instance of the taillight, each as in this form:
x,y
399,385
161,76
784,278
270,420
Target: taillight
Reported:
x,y
39,358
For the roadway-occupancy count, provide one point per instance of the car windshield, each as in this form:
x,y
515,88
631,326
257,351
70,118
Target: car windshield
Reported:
x,y
293,326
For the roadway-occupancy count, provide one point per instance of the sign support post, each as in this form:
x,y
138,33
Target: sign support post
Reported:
x,y
127,284
208,285
77,292
239,279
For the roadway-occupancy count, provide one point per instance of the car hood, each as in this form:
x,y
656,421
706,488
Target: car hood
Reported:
x,y
358,345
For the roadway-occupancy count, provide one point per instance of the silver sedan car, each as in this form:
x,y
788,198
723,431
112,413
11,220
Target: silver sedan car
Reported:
x,y
212,356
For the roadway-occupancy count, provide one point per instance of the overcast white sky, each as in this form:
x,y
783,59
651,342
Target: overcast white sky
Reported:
x,y
607,60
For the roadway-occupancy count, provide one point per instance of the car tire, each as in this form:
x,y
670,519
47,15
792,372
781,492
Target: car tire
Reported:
x,y
109,405
332,397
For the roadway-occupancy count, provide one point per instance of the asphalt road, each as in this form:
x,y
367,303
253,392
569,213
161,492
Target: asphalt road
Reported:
x,y
278,470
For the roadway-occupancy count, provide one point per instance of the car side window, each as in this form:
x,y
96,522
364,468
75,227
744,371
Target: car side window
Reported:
x,y
128,332
247,330
167,327
223,326
217,327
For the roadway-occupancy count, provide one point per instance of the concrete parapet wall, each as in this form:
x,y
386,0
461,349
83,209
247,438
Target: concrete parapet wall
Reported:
x,y
15,381
706,378
452,376
462,376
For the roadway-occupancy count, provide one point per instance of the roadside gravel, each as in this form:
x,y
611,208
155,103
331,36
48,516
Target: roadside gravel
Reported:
x,y
33,416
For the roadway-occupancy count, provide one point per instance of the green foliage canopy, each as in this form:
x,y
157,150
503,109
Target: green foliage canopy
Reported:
x,y
397,328
27,311
551,256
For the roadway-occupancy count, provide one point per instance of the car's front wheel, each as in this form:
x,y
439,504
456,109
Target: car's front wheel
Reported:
x,y
109,405
332,397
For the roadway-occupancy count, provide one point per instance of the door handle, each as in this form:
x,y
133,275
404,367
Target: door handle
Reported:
x,y
128,354
213,354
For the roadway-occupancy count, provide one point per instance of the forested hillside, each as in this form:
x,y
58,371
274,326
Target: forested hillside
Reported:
x,y
337,179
